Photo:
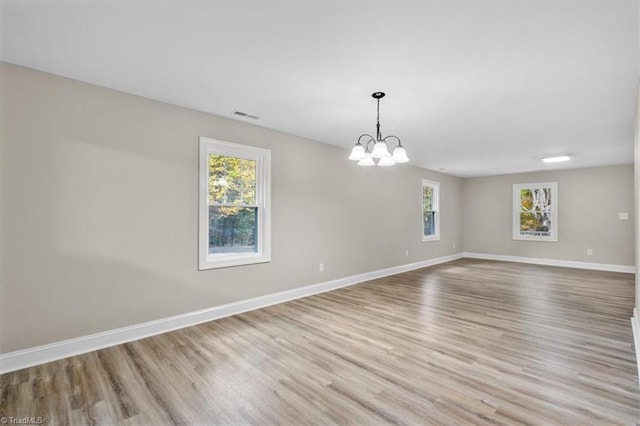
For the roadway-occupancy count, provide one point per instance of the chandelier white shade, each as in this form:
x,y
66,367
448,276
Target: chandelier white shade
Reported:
x,y
400,155
380,154
367,161
357,153
387,161
380,150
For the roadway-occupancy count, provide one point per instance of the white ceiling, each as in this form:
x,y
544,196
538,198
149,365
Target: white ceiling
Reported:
x,y
475,88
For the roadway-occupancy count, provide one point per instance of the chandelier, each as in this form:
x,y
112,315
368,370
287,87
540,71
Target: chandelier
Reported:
x,y
380,154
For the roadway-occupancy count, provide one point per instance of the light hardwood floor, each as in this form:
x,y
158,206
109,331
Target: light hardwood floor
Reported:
x,y
467,342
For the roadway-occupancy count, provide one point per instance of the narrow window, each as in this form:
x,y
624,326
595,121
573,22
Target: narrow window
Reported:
x,y
430,210
234,204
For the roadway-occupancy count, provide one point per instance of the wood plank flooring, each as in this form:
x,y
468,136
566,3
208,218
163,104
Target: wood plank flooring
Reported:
x,y
467,342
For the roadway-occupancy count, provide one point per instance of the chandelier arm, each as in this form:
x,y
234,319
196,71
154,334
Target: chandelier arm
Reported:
x,y
366,147
392,136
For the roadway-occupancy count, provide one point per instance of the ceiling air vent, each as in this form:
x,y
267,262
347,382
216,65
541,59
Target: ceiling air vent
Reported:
x,y
244,114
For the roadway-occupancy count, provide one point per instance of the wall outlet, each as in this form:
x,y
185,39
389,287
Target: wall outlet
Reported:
x,y
623,216
321,267
589,252
454,245
406,253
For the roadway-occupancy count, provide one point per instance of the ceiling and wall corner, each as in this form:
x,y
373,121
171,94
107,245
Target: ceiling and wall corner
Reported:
x,y
474,88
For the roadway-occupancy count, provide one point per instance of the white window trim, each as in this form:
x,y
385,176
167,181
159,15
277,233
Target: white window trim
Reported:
x,y
263,201
554,211
435,186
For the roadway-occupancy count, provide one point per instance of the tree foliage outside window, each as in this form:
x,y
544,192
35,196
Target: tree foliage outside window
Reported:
x,y
234,214
535,211
430,214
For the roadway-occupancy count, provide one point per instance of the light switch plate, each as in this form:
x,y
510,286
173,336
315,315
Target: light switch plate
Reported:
x,y
623,216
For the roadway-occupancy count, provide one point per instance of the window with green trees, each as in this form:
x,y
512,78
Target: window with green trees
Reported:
x,y
430,213
234,204
535,207
233,211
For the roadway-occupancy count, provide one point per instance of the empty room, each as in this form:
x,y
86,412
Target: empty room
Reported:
x,y
306,213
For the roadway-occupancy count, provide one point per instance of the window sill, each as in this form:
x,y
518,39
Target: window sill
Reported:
x,y
431,238
545,239
226,261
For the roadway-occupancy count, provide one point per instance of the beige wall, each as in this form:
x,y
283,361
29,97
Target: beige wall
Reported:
x,y
100,210
589,202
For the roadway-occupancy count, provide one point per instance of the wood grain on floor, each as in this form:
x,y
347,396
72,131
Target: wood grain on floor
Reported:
x,y
467,342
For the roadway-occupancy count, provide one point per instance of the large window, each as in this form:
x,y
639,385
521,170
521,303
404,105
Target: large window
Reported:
x,y
234,204
535,211
430,212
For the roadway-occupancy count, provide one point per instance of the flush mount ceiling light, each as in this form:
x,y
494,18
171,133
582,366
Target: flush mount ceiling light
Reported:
x,y
556,159
380,154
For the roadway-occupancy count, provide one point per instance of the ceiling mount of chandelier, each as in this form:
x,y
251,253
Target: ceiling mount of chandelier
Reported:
x,y
379,155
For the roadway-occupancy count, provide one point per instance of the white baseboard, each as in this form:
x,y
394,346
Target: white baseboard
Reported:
x,y
17,360
553,262
635,324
